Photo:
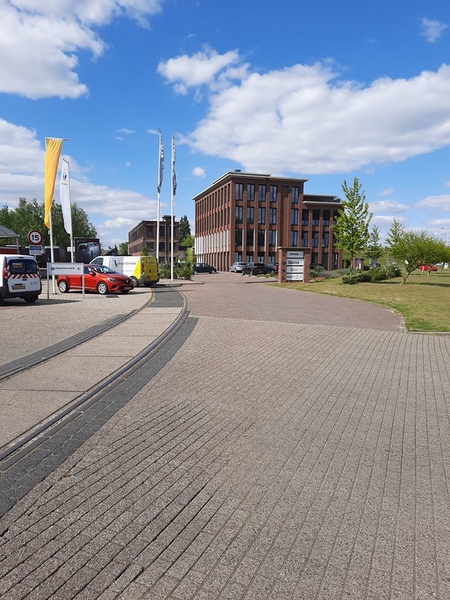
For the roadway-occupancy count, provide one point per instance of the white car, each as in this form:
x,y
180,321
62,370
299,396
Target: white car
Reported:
x,y
237,267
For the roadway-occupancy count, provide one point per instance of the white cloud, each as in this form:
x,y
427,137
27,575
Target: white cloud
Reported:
x,y
388,206
432,30
41,41
198,172
439,202
387,192
126,131
312,121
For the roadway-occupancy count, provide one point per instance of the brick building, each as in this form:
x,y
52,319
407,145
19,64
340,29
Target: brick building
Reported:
x,y
246,217
145,234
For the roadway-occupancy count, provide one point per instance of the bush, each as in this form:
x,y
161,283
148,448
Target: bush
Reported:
x,y
180,271
372,275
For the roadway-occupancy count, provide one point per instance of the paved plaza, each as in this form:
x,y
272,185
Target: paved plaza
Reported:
x,y
292,446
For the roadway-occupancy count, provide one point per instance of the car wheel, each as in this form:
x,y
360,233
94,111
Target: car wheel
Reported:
x,y
102,288
31,299
135,281
63,286
195,272
125,291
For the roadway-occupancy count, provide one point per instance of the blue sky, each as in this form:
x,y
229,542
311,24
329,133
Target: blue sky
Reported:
x,y
319,90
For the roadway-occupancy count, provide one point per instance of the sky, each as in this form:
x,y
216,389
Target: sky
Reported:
x,y
318,90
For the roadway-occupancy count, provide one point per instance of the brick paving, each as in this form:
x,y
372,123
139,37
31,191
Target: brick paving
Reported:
x,y
272,457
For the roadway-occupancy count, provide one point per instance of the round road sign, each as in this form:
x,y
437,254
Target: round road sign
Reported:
x,y
35,237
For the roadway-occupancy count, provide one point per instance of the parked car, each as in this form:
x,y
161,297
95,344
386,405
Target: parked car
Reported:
x,y
203,268
427,268
97,278
374,265
237,267
272,267
253,268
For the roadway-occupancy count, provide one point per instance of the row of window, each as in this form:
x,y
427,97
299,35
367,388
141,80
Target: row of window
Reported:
x,y
262,192
314,242
261,212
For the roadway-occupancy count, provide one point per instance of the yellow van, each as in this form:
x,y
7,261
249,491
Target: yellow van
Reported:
x,y
142,270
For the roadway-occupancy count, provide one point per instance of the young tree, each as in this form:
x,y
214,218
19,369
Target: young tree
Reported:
x,y
184,229
394,233
352,224
415,249
123,248
374,248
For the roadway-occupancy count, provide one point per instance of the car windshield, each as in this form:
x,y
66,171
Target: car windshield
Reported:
x,y
103,269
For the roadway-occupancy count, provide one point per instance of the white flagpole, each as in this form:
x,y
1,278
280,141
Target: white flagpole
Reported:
x,y
52,253
160,179
173,192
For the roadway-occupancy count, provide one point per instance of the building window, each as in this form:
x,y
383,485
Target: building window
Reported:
x,y
316,217
261,215
239,191
149,230
295,195
261,237
162,231
238,256
273,216
325,259
305,217
325,239
304,243
238,214
250,237
326,218
238,237
250,214
262,193
294,216
273,193
294,238
251,191
261,258
315,239
272,237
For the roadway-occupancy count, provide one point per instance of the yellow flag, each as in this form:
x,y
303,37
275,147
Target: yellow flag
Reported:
x,y
52,152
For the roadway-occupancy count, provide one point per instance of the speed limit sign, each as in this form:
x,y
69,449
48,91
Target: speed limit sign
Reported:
x,y
34,237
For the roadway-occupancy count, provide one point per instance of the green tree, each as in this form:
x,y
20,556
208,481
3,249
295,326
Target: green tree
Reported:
x,y
352,223
30,215
188,241
144,251
374,248
123,248
394,234
415,249
184,229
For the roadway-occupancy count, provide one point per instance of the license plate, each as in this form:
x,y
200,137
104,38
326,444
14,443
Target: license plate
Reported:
x,y
128,287
19,286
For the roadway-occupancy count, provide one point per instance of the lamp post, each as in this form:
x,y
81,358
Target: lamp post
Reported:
x,y
447,230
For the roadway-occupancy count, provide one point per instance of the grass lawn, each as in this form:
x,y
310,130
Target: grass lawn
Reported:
x,y
423,301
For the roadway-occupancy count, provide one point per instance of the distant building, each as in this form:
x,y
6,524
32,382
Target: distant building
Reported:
x,y
246,217
145,235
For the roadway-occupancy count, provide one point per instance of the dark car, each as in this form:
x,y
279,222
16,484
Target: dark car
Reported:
x,y
97,278
272,267
203,268
253,268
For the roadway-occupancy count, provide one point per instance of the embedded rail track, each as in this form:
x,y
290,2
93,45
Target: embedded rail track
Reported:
x,y
34,454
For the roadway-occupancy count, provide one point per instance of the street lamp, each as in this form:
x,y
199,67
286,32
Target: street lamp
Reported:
x,y
447,230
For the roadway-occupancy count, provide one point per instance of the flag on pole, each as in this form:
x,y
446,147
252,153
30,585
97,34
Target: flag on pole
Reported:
x,y
160,163
64,194
174,177
52,152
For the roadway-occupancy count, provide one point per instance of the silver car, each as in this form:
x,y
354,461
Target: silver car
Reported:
x,y
237,267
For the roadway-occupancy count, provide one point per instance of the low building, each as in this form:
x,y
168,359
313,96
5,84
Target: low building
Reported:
x,y
145,235
247,216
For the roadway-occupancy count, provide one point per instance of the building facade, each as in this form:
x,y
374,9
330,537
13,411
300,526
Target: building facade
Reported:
x,y
246,217
145,235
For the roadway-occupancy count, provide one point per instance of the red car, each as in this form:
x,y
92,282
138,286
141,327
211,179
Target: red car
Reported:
x,y
97,278
427,268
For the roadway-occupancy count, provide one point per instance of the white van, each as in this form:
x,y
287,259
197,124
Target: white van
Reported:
x,y
19,277
142,270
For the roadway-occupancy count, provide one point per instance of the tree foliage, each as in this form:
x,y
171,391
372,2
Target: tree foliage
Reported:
x,y
30,215
374,248
394,234
184,229
352,223
415,249
123,249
